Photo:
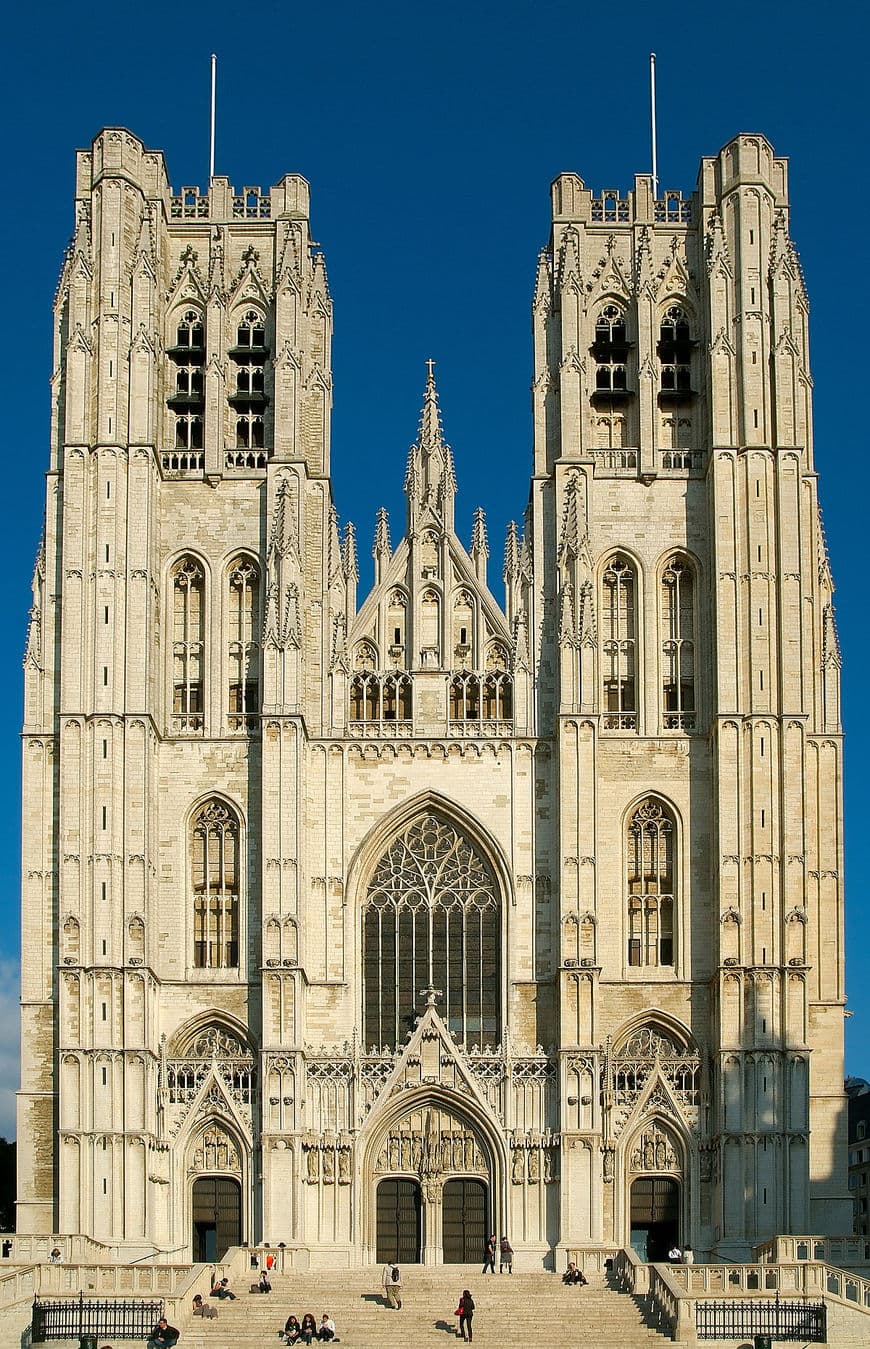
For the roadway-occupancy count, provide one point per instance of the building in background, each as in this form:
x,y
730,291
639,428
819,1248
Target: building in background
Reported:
x,y
374,927
858,1092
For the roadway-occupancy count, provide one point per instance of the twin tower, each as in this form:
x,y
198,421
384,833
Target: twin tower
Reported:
x,y
375,927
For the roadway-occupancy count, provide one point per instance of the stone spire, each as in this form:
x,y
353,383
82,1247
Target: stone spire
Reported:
x,y
430,479
479,545
350,566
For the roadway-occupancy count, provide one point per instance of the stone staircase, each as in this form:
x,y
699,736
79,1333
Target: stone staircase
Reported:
x,y
509,1309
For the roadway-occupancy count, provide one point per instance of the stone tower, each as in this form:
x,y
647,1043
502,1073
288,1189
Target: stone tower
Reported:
x,y
369,927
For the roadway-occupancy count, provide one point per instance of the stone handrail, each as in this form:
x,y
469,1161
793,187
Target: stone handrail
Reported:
x,y
846,1250
17,1285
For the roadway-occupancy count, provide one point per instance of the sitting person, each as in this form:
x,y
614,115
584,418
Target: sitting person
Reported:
x,y
308,1329
264,1284
202,1309
221,1289
292,1330
573,1274
327,1327
162,1335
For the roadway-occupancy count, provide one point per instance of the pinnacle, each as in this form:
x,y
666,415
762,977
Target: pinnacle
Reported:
x,y
479,541
382,544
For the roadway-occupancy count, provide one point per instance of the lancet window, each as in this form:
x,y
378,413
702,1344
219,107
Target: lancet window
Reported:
x,y
215,851
678,646
188,645
650,847
432,920
244,645
187,394
675,354
610,352
619,647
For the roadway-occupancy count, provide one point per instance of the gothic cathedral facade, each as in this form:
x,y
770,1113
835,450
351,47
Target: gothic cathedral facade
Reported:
x,y
373,927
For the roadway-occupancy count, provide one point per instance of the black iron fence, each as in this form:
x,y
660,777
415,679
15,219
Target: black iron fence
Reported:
x,y
113,1318
739,1319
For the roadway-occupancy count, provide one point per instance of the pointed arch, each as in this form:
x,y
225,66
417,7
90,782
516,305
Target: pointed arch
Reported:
x,y
619,587
651,881
431,899
188,596
678,635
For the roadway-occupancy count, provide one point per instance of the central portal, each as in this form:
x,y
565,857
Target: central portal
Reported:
x,y
399,1230
463,1221
655,1217
217,1217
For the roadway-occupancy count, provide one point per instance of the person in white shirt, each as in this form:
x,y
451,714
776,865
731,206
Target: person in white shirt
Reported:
x,y
327,1327
392,1281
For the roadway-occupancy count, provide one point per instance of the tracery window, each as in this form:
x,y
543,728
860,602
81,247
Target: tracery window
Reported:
x,y
464,697
678,646
380,697
650,885
619,655
431,919
610,352
188,645
187,397
244,645
214,852
248,397
675,354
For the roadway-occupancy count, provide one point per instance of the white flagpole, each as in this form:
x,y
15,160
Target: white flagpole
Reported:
x,y
652,110
211,139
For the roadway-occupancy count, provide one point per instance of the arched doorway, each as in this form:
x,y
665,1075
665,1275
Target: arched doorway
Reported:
x,y
655,1217
399,1221
217,1217
463,1221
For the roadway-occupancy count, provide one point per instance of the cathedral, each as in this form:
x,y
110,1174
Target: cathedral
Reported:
x,y
374,924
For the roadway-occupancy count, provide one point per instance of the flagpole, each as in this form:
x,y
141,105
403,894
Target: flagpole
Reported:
x,y
211,138
652,111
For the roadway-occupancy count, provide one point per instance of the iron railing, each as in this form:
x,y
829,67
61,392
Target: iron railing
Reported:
x,y
71,1318
739,1319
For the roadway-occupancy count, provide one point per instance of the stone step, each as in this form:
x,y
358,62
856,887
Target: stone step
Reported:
x,y
508,1309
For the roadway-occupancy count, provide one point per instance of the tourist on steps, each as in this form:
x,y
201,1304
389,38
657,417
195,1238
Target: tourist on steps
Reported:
x,y
292,1330
489,1255
308,1329
327,1327
465,1312
264,1284
505,1256
163,1335
221,1289
392,1281
573,1275
203,1309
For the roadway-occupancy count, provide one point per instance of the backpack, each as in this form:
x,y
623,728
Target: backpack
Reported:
x,y
394,1274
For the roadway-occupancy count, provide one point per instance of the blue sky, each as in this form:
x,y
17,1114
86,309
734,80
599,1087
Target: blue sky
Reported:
x,y
429,135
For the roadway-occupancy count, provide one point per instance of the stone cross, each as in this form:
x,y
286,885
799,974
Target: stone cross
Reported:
x,y
430,994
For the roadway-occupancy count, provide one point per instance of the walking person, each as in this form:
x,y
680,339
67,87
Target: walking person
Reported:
x,y
489,1255
465,1312
392,1281
505,1256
